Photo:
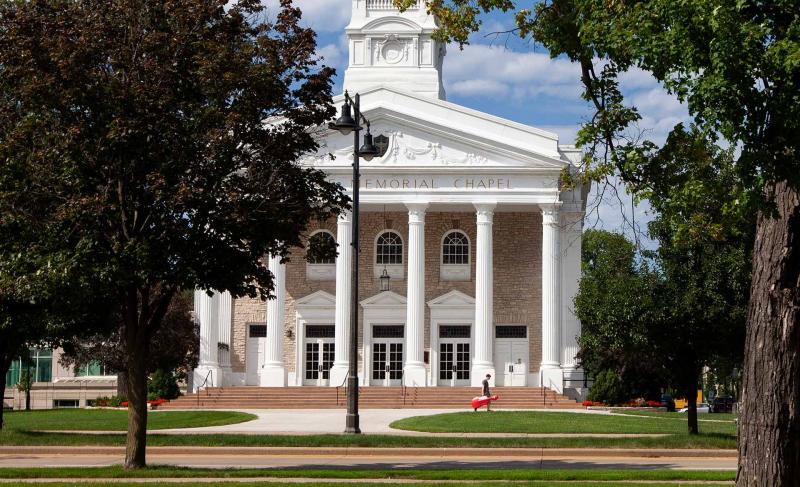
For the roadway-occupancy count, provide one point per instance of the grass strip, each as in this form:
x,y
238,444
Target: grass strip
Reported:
x,y
118,472
545,483
551,422
701,441
117,420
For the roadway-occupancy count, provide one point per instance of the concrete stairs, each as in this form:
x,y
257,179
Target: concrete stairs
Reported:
x,y
369,398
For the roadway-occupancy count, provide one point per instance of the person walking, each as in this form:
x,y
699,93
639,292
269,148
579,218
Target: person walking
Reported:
x,y
486,391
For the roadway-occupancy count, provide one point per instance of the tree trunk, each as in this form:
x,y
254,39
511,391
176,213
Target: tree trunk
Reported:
x,y
28,386
122,384
691,414
135,453
5,364
769,423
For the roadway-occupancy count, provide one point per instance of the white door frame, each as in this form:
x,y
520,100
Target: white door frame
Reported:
x,y
452,308
318,308
385,308
320,342
252,372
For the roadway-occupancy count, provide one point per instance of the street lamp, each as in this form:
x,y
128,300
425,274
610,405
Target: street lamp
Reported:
x,y
345,124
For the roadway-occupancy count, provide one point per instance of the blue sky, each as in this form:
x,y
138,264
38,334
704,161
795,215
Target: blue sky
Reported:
x,y
515,79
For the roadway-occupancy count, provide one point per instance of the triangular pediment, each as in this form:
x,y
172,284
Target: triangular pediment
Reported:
x,y
452,299
384,299
317,299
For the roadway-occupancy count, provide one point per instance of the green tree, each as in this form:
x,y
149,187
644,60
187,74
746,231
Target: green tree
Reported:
x,y
737,64
174,347
616,306
162,138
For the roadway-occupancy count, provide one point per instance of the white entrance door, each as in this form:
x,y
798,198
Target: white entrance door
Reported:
x,y
387,362
511,351
254,355
386,366
319,352
454,362
455,353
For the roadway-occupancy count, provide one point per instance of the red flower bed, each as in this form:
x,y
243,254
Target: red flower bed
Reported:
x,y
157,402
593,403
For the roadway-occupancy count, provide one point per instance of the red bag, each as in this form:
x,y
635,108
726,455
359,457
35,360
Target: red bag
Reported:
x,y
483,401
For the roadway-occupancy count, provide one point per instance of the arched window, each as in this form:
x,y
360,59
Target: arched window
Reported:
x,y
455,248
388,249
321,248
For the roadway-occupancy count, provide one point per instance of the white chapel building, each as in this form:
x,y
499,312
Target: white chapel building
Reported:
x,y
462,210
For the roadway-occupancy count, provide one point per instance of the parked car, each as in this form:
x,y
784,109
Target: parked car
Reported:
x,y
701,408
722,404
668,402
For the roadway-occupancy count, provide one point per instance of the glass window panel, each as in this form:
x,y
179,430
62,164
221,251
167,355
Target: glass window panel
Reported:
x,y
455,249
389,249
321,248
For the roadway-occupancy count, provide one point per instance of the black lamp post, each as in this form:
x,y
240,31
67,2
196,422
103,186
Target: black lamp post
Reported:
x,y
345,124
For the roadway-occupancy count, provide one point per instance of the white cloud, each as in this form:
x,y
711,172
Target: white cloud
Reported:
x,y
332,55
320,15
504,71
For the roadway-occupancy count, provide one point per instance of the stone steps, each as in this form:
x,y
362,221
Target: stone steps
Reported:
x,y
369,398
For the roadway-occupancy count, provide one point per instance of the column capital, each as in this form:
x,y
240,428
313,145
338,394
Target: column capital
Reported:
x,y
416,211
550,213
485,212
346,217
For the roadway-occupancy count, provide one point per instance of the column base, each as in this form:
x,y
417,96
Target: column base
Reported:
x,y
552,378
272,376
478,373
338,374
415,375
211,371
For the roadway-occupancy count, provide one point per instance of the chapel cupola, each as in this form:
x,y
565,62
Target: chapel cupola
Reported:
x,y
393,49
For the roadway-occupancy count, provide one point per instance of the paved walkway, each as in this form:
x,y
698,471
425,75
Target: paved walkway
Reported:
x,y
373,421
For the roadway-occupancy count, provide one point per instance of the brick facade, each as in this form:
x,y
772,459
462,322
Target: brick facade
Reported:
x,y
517,276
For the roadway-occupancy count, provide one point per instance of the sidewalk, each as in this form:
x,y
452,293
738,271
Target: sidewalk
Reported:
x,y
373,421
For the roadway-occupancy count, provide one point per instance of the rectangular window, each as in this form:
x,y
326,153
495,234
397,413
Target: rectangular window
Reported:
x,y
39,364
387,331
511,332
65,403
454,331
91,369
320,331
258,331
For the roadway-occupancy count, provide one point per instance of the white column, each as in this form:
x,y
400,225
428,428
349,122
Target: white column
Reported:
x,y
344,268
414,370
571,233
484,296
206,312
225,324
550,366
273,374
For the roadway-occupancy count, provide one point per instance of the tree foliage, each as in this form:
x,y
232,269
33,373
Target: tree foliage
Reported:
x,y
175,345
736,63
160,138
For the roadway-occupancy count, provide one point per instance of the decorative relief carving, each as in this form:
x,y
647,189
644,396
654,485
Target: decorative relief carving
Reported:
x,y
391,50
399,151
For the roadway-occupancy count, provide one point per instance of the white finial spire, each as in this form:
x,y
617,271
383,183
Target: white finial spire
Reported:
x,y
394,49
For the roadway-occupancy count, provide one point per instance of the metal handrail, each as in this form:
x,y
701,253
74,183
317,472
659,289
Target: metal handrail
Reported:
x,y
403,385
205,381
344,384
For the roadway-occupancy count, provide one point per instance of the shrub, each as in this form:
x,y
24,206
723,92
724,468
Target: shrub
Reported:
x,y
163,384
609,388
116,401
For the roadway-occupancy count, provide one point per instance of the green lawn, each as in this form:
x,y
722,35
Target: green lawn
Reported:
x,y
703,417
434,474
116,420
553,422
